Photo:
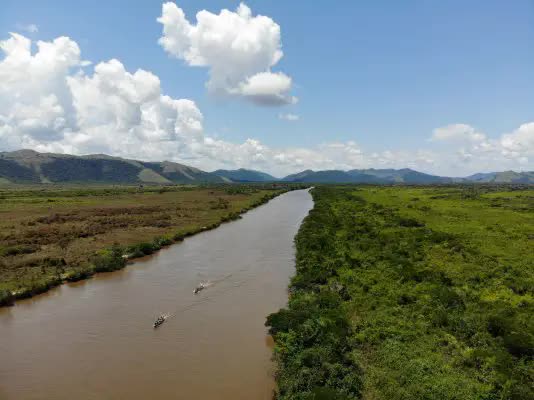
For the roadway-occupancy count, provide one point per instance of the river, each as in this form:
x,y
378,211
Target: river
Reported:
x,y
94,339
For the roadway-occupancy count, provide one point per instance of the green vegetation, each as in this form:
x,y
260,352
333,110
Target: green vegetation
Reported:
x,y
52,234
244,175
30,167
410,293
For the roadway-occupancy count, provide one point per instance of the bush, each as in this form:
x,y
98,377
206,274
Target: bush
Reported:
x,y
78,275
109,260
160,242
141,250
16,250
410,223
6,298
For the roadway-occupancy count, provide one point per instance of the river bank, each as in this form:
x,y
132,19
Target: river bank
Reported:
x,y
50,237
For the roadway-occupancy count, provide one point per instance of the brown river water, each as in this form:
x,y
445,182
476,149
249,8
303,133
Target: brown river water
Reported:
x,y
94,339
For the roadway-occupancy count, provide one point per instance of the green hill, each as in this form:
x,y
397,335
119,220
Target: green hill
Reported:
x,y
334,176
244,175
374,176
503,177
28,166
404,176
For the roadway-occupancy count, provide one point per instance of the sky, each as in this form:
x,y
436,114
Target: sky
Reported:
x,y
441,87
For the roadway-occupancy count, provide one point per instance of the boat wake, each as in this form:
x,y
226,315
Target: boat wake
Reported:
x,y
202,285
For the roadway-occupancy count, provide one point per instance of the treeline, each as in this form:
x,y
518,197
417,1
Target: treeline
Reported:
x,y
384,305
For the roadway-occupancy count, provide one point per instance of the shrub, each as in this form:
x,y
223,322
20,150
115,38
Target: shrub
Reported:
x,y
16,250
141,250
109,260
6,298
410,223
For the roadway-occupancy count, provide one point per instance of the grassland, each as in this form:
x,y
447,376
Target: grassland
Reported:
x,y
411,293
49,235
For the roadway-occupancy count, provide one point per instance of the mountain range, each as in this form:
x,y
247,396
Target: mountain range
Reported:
x,y
28,166
244,175
377,176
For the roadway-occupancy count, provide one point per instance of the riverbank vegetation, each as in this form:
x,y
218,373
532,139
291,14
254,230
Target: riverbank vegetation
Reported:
x,y
52,234
411,293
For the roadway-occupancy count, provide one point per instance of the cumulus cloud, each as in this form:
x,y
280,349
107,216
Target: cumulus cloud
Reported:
x,y
238,48
520,143
48,103
35,101
122,112
458,132
51,100
464,148
289,117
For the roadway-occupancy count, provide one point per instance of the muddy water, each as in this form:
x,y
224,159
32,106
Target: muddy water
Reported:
x,y
94,339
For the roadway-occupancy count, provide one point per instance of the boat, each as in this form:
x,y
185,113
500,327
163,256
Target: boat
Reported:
x,y
199,288
160,320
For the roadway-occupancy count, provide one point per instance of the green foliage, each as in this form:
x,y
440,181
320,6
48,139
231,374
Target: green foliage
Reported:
x,y
109,260
147,248
396,298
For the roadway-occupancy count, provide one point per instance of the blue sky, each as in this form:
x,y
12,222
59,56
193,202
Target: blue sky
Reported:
x,y
382,74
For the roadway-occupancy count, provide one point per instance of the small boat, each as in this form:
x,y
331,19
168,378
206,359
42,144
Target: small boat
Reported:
x,y
160,320
199,288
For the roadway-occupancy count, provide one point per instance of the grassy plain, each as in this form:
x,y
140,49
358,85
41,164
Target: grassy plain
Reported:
x,y
411,293
49,235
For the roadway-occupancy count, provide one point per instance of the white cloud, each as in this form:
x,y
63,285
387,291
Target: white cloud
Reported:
x,y
458,132
51,100
35,101
48,103
238,48
289,117
463,148
519,143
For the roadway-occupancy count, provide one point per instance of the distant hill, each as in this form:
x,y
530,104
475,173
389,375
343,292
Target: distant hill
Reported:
x,y
299,176
503,177
244,175
374,176
333,176
28,166
405,175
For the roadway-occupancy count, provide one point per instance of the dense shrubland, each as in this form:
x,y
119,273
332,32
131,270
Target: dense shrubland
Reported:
x,y
410,293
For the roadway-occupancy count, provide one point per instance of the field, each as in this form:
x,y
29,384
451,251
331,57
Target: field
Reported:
x,y
49,235
411,293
